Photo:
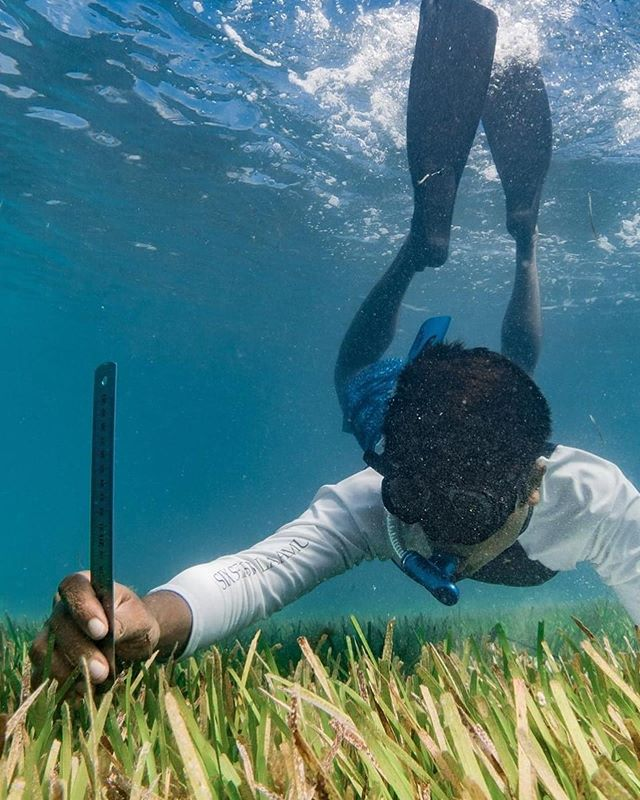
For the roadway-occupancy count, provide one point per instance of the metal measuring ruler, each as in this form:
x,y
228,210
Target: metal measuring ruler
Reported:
x,y
102,459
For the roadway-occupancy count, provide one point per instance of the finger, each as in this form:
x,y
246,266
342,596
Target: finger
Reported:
x,y
60,668
39,655
47,661
83,605
74,645
134,647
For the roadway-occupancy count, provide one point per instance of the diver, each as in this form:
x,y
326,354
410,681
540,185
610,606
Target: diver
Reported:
x,y
454,85
463,482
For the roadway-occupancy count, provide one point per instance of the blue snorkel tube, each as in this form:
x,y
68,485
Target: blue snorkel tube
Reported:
x,y
435,573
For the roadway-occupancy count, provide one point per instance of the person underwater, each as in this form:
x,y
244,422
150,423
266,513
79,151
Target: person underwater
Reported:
x,y
461,472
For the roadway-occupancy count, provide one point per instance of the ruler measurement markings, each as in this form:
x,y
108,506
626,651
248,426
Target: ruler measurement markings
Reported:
x,y
102,497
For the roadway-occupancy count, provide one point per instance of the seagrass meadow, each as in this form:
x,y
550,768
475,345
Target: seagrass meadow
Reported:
x,y
395,711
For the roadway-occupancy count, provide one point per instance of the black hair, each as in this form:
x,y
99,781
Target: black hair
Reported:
x,y
462,434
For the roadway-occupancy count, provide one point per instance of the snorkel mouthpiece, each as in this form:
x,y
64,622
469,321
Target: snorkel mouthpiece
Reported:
x,y
434,573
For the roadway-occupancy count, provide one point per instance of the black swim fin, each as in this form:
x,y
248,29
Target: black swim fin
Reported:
x,y
449,80
517,121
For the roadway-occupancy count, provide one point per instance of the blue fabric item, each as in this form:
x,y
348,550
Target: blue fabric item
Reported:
x,y
368,392
367,396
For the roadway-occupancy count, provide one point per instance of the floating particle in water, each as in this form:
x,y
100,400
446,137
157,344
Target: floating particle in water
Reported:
x,y
604,244
145,246
197,6
78,76
601,241
597,427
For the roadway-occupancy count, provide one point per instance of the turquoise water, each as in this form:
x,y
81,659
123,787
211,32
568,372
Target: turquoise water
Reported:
x,y
204,192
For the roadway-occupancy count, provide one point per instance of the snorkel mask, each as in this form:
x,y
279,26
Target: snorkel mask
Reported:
x,y
436,573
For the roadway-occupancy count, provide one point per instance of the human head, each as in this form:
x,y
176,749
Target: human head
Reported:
x,y
462,434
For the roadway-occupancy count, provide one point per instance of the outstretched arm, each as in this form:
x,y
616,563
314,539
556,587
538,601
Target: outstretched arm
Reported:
x,y
343,526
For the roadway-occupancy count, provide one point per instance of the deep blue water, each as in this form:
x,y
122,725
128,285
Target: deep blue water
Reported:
x,y
204,193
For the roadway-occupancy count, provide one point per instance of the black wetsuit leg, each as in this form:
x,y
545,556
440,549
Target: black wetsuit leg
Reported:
x,y
517,121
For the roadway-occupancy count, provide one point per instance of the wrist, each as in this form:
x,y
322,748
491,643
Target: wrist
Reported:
x,y
173,616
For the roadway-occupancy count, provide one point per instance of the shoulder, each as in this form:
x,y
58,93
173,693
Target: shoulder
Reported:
x,y
359,491
582,497
351,508
580,479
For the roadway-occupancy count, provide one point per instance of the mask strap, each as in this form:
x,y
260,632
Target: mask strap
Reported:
x,y
374,460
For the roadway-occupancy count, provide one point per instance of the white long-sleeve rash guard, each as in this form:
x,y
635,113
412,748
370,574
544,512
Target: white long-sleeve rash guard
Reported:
x,y
588,512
